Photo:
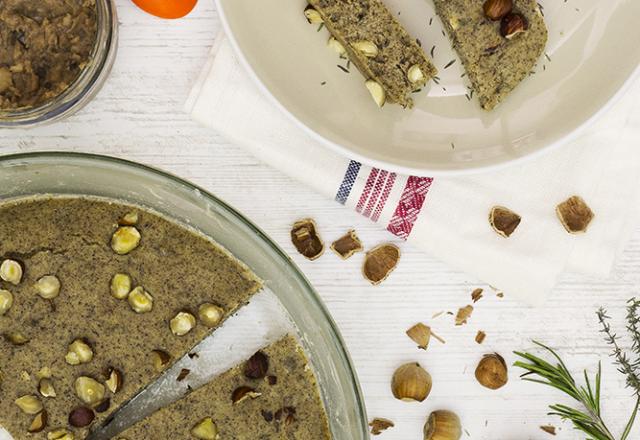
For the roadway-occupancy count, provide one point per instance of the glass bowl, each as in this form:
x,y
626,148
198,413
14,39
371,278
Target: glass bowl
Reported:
x,y
85,87
30,174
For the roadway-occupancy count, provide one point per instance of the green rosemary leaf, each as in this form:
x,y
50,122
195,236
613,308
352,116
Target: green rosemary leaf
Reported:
x,y
632,419
562,365
536,360
562,386
598,382
571,413
588,393
544,382
592,431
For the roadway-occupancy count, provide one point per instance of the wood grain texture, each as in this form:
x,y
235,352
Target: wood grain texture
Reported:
x,y
138,115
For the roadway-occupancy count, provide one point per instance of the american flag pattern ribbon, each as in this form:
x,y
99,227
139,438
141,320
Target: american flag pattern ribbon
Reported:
x,y
383,196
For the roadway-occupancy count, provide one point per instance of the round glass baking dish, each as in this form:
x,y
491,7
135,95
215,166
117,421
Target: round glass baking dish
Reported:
x,y
30,174
85,87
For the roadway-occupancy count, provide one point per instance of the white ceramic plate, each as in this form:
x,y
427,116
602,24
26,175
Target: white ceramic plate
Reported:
x,y
593,51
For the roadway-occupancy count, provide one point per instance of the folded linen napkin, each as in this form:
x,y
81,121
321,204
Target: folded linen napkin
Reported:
x,y
448,216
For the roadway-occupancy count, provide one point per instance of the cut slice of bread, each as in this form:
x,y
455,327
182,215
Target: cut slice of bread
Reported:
x,y
281,402
495,64
379,47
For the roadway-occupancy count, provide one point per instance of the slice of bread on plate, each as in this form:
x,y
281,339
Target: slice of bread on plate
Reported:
x,y
392,62
499,42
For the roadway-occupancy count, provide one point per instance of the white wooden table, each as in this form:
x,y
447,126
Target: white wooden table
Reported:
x,y
138,115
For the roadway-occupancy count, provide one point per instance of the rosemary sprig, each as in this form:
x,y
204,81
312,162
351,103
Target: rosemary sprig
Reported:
x,y
558,376
630,368
633,326
587,418
626,366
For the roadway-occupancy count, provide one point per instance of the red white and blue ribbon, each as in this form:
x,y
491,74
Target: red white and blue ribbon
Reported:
x,y
384,196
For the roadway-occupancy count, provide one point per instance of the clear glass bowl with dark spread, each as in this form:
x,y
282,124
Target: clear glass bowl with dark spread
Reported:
x,y
55,56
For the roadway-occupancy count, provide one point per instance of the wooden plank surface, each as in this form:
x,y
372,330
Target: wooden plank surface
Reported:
x,y
138,115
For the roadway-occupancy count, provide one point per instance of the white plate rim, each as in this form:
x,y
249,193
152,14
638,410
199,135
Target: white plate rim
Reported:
x,y
348,154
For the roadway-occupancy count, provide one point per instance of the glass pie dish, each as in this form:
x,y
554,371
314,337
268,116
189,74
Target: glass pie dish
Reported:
x,y
33,174
84,87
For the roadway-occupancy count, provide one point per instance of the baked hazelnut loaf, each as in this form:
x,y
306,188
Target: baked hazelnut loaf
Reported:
x,y
499,42
391,60
272,396
97,299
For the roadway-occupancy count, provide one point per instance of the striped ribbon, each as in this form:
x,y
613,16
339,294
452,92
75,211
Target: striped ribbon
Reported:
x,y
375,194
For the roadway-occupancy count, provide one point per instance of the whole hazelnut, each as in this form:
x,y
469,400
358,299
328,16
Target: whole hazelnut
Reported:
x,y
210,314
411,383
48,286
89,390
125,239
496,9
512,25
415,74
140,300
492,371
11,271
120,285
79,352
256,366
442,425
366,48
81,416
182,323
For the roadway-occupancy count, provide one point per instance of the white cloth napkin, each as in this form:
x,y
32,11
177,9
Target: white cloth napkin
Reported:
x,y
448,216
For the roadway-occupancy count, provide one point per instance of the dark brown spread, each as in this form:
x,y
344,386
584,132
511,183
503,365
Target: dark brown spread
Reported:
x,y
45,44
